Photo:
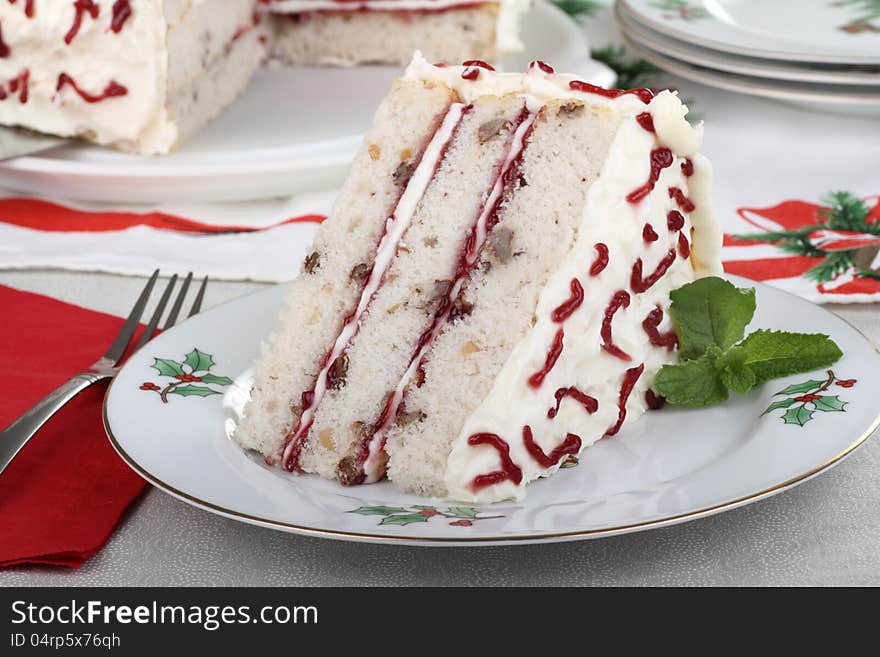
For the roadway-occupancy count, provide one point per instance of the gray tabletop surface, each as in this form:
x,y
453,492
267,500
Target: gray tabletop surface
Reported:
x,y
824,532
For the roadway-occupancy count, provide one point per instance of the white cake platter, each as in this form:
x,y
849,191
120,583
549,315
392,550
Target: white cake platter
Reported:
x,y
819,31
672,465
294,129
739,64
841,99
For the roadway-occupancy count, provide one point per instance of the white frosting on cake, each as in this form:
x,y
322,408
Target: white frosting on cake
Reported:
x,y
506,34
395,227
135,58
158,51
609,218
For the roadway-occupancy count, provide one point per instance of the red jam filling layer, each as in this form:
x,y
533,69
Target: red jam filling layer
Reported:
x,y
644,95
646,121
81,7
683,201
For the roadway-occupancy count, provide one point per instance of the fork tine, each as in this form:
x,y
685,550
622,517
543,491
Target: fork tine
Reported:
x,y
147,335
178,302
114,353
197,304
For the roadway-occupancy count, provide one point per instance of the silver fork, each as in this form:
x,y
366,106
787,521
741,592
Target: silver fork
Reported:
x,y
17,434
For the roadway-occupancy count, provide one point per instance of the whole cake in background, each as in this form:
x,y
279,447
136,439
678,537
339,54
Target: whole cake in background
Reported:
x,y
142,75
139,76
348,32
490,294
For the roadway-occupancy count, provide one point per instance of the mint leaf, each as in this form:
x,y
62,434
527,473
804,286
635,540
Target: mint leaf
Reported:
x,y
710,311
199,361
167,367
774,354
734,373
692,383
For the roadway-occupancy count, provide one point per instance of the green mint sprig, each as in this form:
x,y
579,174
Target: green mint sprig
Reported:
x,y
710,317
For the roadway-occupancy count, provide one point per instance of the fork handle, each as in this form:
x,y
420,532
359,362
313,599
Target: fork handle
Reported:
x,y
17,434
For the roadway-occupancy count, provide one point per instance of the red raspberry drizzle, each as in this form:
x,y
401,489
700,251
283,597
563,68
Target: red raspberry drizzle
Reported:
x,y
646,121
649,234
620,300
683,201
640,284
687,167
28,7
121,13
675,220
684,247
509,469
544,66
81,7
567,307
536,379
660,159
590,404
629,382
654,401
644,95
571,445
113,89
4,48
19,85
601,260
656,338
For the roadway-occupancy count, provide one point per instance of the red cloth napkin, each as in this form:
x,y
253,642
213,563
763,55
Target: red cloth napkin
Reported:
x,y
67,489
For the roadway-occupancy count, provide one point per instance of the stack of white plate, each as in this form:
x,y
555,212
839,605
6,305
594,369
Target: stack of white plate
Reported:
x,y
821,53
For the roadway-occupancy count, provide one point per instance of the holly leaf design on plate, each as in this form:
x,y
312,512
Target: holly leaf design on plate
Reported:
x,y
193,391
378,510
830,403
168,367
797,388
785,403
406,519
199,361
219,380
462,511
798,415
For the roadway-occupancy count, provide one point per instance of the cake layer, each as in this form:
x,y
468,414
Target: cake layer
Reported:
x,y
331,282
348,38
537,224
104,71
417,281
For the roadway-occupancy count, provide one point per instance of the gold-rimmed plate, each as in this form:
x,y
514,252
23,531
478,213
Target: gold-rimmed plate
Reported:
x,y
170,412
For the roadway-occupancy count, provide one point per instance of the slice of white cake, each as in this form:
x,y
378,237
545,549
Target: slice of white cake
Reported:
x,y
489,295
350,32
139,76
